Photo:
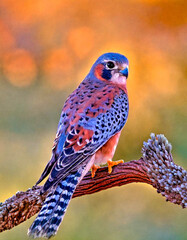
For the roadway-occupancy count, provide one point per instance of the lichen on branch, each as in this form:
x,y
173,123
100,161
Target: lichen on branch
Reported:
x,y
167,177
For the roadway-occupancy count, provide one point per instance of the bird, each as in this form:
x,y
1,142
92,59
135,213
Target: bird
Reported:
x,y
87,136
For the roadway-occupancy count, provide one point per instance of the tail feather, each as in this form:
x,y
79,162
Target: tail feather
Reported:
x,y
51,215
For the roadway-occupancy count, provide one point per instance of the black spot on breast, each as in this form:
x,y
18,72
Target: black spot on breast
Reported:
x,y
96,139
86,118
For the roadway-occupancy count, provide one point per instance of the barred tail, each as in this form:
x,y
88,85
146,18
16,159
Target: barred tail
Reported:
x,y
51,215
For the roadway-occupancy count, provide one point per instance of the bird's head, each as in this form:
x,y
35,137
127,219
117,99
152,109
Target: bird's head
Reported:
x,y
111,67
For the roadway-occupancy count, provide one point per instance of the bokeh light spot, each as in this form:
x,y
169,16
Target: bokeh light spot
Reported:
x,y
81,41
163,76
6,40
19,67
57,68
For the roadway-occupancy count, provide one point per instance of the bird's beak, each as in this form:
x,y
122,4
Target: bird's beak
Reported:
x,y
125,72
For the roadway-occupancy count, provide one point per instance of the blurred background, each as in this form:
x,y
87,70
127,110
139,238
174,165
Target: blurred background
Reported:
x,y
46,49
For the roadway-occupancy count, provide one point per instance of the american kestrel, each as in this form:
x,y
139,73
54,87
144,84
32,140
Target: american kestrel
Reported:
x,y
88,132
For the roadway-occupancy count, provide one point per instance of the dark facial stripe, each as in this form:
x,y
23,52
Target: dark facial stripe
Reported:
x,y
106,74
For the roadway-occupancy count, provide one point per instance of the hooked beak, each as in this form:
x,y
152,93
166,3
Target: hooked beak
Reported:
x,y
125,72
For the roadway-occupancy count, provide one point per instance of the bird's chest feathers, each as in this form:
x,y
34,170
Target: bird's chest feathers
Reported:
x,y
107,151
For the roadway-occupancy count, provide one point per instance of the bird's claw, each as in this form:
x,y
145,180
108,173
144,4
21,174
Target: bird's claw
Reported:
x,y
113,163
94,169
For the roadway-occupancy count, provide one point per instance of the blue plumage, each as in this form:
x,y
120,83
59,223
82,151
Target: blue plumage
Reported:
x,y
47,222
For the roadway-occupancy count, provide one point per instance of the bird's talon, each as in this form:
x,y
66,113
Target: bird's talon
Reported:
x,y
113,163
94,169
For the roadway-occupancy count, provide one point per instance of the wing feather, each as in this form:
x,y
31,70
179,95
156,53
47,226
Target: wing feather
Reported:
x,y
76,141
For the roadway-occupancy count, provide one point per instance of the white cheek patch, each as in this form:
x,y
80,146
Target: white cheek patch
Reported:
x,y
118,78
124,65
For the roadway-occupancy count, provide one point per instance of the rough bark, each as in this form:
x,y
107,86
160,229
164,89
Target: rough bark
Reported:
x,y
155,167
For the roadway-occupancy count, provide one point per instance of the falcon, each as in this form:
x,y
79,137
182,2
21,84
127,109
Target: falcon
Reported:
x,y
88,132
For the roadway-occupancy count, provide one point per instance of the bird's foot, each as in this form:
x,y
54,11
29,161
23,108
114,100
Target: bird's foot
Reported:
x,y
94,169
113,163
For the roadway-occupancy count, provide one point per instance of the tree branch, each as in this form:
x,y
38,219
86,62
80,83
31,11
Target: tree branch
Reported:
x,y
155,167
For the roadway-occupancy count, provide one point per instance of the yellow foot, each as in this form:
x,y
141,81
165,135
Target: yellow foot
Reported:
x,y
94,169
113,163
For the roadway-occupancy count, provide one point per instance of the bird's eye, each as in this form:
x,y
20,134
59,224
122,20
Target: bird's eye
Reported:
x,y
110,64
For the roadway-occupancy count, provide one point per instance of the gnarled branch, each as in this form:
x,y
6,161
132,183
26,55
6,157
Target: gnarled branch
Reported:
x,y
155,167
